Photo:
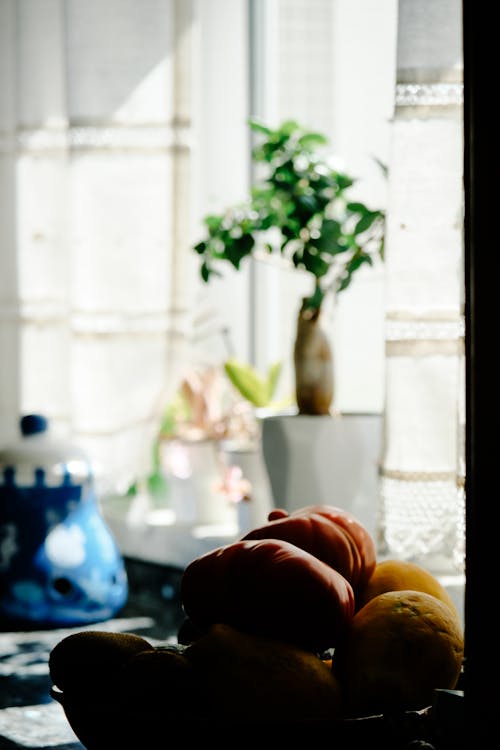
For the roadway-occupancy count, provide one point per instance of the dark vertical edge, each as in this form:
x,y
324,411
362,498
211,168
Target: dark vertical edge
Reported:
x,y
482,296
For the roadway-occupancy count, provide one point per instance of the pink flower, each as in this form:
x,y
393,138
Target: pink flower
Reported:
x,y
234,485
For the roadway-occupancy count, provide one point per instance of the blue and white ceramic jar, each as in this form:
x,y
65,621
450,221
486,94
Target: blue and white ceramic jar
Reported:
x,y
59,564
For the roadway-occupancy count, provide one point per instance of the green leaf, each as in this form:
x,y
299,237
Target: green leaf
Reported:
x,y
239,248
336,247
357,208
288,127
344,182
309,140
213,224
344,283
285,175
365,222
314,263
357,261
206,272
273,377
248,382
259,127
200,247
330,231
132,490
306,205
297,256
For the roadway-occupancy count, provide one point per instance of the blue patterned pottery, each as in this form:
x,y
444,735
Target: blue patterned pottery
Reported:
x,y
59,564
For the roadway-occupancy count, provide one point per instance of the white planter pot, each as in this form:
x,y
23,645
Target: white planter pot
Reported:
x,y
327,460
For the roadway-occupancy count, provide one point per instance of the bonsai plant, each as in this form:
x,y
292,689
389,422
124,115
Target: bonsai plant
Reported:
x,y
298,208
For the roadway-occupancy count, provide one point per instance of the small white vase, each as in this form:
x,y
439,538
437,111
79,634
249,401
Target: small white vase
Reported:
x,y
194,474
252,511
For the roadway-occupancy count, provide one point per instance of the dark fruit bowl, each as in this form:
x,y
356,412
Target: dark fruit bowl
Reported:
x,y
101,725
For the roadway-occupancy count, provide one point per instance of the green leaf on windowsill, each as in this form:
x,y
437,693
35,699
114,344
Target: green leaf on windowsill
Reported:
x,y
256,389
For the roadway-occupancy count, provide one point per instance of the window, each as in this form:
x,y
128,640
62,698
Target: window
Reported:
x,y
114,148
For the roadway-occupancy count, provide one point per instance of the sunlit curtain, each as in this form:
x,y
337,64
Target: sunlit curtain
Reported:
x,y
95,121
422,476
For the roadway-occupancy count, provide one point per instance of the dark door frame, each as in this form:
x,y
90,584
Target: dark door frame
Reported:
x,y
482,297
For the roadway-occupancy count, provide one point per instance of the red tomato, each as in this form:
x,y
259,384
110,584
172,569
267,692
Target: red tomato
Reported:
x,y
332,534
316,534
269,587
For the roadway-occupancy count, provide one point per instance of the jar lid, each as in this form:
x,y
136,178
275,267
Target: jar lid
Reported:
x,y
38,451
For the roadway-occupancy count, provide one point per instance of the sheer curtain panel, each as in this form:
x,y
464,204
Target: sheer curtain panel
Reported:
x,y
422,476
96,133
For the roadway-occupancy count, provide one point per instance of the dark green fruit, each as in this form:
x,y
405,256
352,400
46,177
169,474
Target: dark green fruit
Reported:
x,y
91,660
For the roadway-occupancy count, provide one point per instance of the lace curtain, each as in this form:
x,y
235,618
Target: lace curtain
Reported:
x,y
422,473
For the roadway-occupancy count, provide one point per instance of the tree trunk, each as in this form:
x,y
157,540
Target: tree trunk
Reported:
x,y
313,363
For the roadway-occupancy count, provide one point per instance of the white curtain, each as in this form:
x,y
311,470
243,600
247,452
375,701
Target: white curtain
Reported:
x,y
96,133
422,476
